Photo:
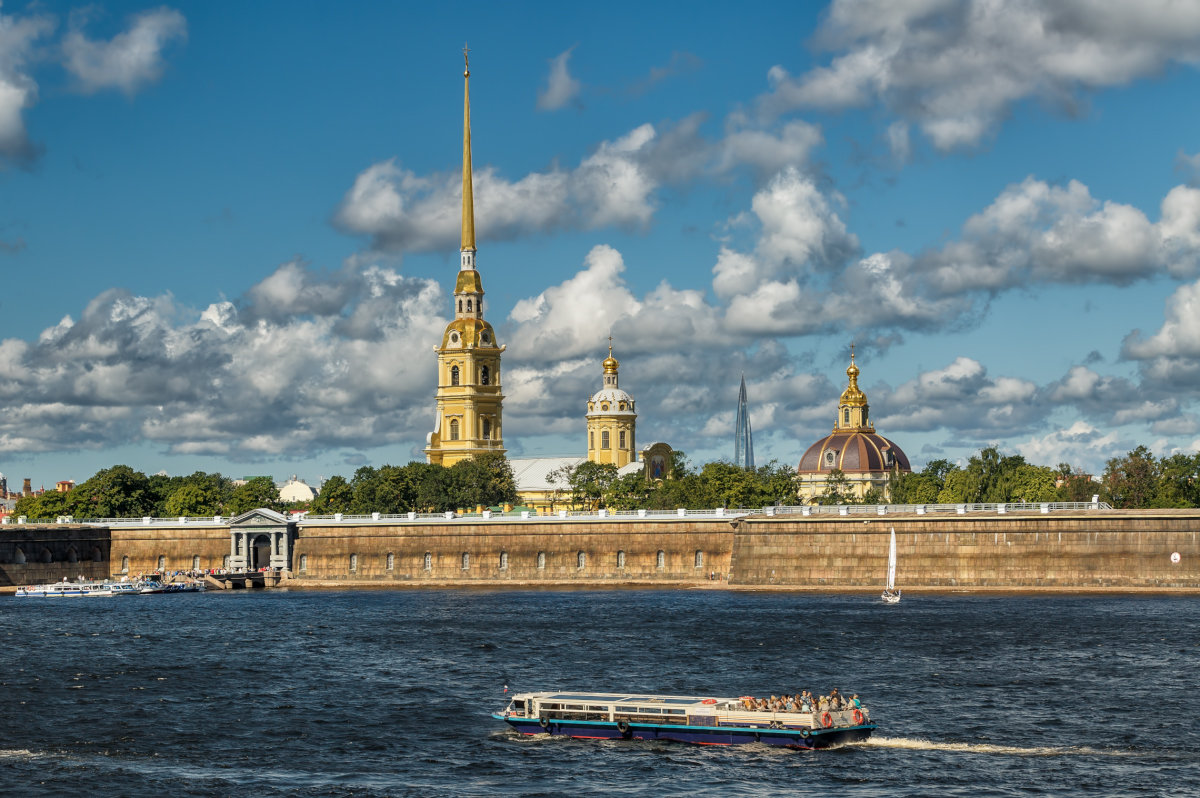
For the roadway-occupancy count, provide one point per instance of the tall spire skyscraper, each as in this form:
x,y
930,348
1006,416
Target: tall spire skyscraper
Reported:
x,y
743,441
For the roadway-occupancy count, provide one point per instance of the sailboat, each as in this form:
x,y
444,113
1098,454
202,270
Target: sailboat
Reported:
x,y
890,594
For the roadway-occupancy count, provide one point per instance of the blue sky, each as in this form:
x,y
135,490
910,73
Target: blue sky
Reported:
x,y
228,231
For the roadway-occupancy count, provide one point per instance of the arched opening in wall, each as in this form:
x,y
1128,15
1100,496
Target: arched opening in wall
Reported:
x,y
19,557
195,562
260,551
581,560
660,562
72,555
460,306
303,563
162,563
466,561
454,375
353,563
620,559
485,376
47,556
699,558
468,306
391,561
504,561
454,429
428,561
97,554
125,564
541,561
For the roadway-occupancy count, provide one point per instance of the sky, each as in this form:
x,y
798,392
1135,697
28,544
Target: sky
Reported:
x,y
229,232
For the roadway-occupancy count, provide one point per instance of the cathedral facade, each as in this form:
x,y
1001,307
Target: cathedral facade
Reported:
x,y
469,395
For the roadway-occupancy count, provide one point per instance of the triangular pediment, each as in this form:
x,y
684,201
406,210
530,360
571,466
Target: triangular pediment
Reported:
x,y
259,517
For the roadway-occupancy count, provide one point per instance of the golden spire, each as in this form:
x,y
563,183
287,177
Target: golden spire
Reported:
x,y
468,198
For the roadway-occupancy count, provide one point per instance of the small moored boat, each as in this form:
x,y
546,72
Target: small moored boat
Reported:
x,y
688,719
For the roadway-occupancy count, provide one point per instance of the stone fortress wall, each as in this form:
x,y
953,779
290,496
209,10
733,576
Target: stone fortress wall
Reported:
x,y
1067,550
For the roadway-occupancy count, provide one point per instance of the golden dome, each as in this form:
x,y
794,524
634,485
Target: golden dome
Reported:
x,y
468,282
464,333
610,362
853,395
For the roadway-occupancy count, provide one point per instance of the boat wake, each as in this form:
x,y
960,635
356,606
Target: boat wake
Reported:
x,y
917,744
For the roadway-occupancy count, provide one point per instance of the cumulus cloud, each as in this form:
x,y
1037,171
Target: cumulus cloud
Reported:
x,y
681,63
303,362
130,60
1080,444
1170,358
955,68
18,90
560,87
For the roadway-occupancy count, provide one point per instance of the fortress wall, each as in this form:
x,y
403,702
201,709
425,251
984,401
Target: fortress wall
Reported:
x,y
51,553
326,551
1089,549
177,545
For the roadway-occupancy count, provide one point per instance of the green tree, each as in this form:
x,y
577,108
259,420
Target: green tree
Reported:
x,y
1132,480
192,499
259,492
335,497
117,492
46,507
837,488
1179,481
590,482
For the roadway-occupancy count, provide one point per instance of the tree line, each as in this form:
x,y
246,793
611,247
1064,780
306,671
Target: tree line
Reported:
x,y
1137,479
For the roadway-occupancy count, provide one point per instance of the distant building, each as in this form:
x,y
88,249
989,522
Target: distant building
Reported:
x,y
611,420
866,458
296,490
64,485
743,440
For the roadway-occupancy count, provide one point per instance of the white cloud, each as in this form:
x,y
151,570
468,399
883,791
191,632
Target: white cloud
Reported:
x,y
955,68
18,90
560,88
1081,445
130,60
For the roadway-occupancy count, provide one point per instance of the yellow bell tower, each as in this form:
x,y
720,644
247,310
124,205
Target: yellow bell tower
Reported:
x,y
611,420
853,409
468,393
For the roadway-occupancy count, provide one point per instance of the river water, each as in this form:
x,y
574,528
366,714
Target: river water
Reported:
x,y
377,693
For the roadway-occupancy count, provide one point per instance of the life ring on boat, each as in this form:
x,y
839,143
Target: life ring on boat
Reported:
x,y
623,726
544,722
709,701
858,717
827,720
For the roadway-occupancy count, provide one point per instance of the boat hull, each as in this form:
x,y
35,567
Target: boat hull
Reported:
x,y
701,735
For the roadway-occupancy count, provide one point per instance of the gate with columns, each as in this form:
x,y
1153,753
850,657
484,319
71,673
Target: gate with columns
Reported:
x,y
261,539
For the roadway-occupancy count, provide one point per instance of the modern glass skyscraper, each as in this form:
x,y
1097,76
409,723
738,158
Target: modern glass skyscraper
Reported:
x,y
743,441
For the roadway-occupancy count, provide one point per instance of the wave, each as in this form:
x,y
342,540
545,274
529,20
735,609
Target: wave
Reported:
x,y
919,744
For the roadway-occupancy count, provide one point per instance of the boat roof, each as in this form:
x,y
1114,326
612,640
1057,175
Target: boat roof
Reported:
x,y
627,698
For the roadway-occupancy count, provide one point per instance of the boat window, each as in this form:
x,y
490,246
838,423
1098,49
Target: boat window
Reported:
x,y
597,709
649,711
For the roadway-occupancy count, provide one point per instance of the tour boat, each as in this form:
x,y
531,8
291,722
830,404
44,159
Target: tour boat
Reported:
x,y
890,594
82,588
689,719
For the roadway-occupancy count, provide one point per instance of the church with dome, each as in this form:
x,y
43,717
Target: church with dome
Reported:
x,y
864,457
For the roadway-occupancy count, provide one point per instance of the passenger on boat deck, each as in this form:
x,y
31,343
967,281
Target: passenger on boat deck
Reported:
x,y
791,704
835,700
854,702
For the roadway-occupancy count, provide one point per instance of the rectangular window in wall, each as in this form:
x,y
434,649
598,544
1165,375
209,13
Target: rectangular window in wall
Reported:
x,y
391,561
604,439
353,562
622,439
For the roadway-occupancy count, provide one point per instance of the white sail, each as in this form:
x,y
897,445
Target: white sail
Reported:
x,y
891,576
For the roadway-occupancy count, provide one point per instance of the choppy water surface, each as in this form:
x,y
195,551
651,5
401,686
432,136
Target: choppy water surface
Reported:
x,y
388,693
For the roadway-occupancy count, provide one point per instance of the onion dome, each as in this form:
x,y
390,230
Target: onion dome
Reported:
x,y
853,453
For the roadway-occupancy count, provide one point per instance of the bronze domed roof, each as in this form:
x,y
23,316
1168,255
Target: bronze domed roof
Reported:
x,y
853,453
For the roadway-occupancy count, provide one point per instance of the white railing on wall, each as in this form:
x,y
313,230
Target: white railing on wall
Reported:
x,y
1002,508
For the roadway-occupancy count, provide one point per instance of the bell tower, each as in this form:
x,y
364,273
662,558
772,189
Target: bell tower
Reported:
x,y
469,397
852,407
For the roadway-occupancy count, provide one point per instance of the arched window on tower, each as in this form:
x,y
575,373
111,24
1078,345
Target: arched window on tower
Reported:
x,y
621,437
846,416
487,429
460,306
454,429
468,306
485,376
454,375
